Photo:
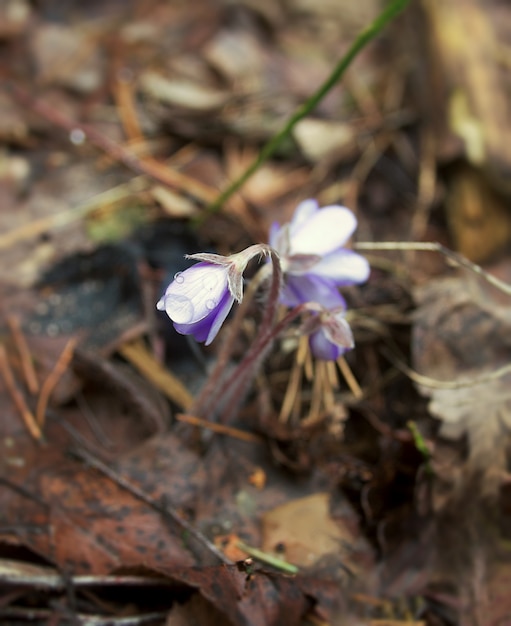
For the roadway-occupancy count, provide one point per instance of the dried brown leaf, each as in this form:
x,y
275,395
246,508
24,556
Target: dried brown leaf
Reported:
x,y
305,529
462,345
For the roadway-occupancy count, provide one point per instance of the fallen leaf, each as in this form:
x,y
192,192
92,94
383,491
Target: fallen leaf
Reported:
x,y
320,139
461,345
303,531
182,93
67,56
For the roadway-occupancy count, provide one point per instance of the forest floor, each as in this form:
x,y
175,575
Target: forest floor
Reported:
x,y
372,490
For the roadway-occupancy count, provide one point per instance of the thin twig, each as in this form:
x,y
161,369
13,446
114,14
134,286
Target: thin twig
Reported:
x,y
17,397
349,377
317,394
426,381
27,363
139,356
53,378
67,217
149,166
221,429
364,37
456,258
292,393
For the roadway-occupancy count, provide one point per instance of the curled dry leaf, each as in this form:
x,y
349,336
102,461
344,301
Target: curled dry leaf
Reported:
x,y
464,346
182,93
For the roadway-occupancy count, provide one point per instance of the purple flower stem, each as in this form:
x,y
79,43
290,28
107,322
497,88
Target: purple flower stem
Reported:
x,y
205,405
234,389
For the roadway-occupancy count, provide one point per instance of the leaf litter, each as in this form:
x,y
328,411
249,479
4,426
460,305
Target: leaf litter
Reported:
x,y
115,506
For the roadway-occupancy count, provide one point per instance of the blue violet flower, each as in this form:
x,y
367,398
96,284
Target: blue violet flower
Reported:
x,y
313,257
200,298
330,336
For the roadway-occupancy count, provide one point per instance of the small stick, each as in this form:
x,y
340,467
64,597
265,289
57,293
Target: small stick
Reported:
x,y
137,354
221,429
317,394
67,217
17,397
27,363
456,258
350,379
125,102
53,378
156,170
308,363
426,381
293,385
331,383
333,378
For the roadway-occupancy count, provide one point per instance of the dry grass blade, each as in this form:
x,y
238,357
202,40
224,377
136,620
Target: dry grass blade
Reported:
x,y
17,397
427,381
349,377
220,429
53,378
138,355
457,259
27,364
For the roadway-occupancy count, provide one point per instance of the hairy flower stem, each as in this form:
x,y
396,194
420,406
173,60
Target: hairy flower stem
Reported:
x,y
203,402
204,406
236,386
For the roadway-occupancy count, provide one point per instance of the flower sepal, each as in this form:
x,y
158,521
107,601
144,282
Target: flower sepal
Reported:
x,y
330,335
235,265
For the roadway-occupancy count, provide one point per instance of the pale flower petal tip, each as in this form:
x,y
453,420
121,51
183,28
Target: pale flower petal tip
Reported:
x,y
303,212
324,232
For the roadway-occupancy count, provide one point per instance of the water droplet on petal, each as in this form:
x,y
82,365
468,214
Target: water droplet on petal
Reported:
x,y
180,309
179,278
210,304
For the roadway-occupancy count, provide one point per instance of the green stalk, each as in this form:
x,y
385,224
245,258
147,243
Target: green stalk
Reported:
x,y
269,559
364,37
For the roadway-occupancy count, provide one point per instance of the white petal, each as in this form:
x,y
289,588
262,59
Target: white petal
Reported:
x,y
309,288
324,231
303,212
344,267
207,329
194,293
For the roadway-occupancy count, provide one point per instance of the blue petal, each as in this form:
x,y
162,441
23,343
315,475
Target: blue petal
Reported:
x,y
322,348
309,288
